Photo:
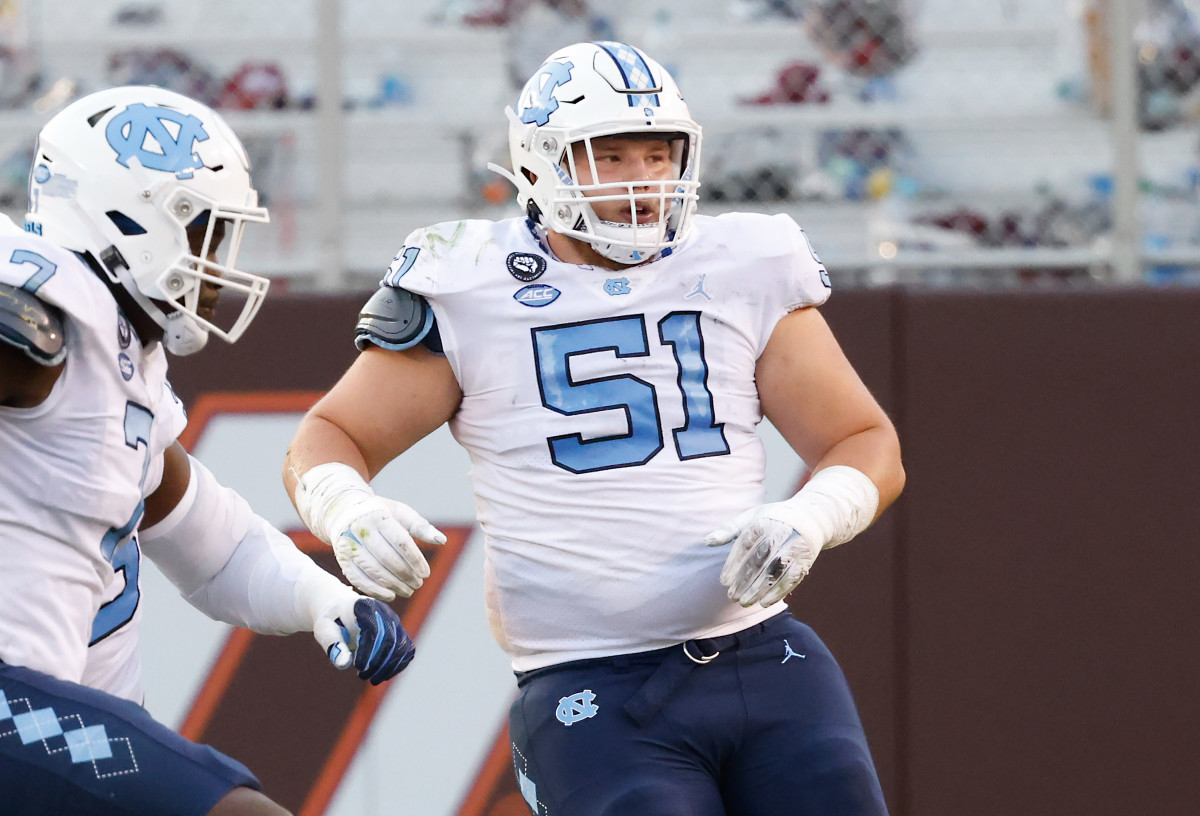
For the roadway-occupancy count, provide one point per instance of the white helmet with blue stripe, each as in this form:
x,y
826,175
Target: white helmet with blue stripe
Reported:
x,y
121,175
583,92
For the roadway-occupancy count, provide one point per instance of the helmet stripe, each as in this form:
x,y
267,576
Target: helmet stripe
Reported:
x,y
634,70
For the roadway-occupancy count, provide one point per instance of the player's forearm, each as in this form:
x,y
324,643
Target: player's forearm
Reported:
x,y
874,451
232,565
317,442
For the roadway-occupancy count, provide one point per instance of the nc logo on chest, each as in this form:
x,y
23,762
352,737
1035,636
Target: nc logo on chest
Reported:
x,y
573,708
617,286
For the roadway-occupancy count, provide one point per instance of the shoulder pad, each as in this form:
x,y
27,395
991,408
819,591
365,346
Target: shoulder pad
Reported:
x,y
32,325
394,319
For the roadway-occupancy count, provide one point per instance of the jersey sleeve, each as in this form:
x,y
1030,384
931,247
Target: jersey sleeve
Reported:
x,y
53,275
419,265
437,260
170,419
790,274
400,273
806,283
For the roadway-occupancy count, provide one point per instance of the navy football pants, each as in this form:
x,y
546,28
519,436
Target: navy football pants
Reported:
x,y
70,749
766,728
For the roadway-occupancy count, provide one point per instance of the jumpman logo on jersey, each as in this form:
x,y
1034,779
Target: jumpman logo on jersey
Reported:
x,y
698,289
789,652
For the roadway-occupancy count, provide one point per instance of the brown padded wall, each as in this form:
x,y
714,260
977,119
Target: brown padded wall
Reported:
x,y
296,343
1050,524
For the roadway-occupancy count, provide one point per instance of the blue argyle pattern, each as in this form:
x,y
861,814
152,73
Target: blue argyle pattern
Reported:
x,y
635,71
67,734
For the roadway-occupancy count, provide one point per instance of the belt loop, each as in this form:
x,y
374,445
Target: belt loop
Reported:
x,y
700,658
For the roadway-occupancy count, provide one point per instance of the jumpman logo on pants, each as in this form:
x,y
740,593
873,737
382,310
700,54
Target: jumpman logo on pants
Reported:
x,y
789,652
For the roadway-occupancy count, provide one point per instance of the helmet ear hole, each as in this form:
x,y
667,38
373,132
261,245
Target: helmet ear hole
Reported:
x,y
124,223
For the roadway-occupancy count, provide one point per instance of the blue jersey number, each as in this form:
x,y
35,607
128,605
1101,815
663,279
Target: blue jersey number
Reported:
x,y
553,348
45,268
119,545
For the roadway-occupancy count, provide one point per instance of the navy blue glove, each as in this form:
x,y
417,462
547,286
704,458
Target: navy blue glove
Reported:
x,y
384,648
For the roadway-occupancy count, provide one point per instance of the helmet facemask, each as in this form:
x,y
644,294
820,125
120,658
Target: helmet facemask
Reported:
x,y
636,219
187,291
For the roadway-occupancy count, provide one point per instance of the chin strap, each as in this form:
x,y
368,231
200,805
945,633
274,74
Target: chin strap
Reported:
x,y
182,335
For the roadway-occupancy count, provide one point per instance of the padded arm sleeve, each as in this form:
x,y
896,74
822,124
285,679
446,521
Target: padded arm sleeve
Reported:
x,y
235,567
394,319
32,325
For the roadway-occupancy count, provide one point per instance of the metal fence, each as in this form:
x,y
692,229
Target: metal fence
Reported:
x,y
1014,142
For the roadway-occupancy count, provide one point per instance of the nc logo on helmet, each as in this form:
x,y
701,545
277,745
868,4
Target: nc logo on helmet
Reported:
x,y
541,94
159,138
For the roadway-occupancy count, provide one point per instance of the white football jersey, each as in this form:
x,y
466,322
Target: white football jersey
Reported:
x,y
75,471
610,418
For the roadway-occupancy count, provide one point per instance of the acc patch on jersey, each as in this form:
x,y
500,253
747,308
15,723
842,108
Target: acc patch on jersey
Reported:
x,y
536,294
525,266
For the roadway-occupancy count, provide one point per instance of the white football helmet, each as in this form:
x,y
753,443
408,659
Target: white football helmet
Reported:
x,y
121,174
582,92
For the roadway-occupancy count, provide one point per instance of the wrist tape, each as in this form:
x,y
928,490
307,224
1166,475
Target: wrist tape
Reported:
x,y
835,505
325,490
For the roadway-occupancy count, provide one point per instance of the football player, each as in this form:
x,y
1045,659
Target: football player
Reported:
x,y
138,198
605,359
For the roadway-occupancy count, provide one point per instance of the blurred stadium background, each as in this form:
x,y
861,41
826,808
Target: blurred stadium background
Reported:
x,y
937,141
1005,194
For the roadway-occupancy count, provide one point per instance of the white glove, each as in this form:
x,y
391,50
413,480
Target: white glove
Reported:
x,y
775,545
769,556
372,537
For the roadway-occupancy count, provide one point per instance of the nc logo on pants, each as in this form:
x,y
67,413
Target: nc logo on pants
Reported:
x,y
578,707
